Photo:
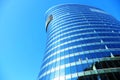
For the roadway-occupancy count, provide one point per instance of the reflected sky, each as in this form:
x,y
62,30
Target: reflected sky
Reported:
x,y
23,36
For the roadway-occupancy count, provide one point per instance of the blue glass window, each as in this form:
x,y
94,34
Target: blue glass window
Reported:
x,y
73,69
79,68
67,71
113,45
71,59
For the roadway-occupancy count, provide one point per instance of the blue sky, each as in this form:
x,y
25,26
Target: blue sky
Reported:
x,y
23,36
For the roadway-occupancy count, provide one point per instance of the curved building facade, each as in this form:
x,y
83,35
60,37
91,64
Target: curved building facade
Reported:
x,y
83,43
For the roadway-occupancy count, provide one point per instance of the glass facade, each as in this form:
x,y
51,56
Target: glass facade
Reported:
x,y
83,43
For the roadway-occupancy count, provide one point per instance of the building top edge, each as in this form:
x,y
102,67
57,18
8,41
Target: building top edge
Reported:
x,y
64,4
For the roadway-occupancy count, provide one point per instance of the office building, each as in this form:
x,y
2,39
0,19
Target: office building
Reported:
x,y
83,43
